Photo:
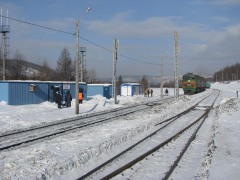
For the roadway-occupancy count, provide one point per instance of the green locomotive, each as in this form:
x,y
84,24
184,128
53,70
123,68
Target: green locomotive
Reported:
x,y
192,83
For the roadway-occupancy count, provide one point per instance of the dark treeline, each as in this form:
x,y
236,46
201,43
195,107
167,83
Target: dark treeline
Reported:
x,y
229,73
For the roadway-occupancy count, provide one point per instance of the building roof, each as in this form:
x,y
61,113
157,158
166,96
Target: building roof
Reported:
x,y
99,84
130,84
37,81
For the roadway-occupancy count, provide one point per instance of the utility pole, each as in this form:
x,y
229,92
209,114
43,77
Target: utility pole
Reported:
x,y
115,58
77,69
176,51
4,29
77,64
161,85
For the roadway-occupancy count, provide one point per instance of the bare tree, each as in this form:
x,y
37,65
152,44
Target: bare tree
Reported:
x,y
45,72
91,76
17,69
144,83
228,73
64,66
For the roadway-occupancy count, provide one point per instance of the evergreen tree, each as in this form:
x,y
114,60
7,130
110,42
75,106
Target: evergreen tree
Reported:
x,y
64,66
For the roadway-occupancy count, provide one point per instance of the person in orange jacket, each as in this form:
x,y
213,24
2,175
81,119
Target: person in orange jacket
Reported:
x,y
80,96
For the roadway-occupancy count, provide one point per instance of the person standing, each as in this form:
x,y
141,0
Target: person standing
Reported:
x,y
58,99
151,92
148,92
80,96
68,99
166,92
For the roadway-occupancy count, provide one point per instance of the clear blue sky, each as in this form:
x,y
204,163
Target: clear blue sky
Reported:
x,y
209,33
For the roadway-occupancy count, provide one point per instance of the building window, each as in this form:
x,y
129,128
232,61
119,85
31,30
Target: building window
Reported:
x,y
32,87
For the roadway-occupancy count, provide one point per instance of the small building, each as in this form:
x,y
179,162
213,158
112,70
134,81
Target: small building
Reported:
x,y
23,92
35,92
102,89
130,89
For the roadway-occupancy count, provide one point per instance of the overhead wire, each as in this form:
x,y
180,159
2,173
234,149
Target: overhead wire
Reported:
x,y
85,39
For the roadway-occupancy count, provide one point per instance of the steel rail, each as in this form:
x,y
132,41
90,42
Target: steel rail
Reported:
x,y
145,138
191,139
136,160
63,121
25,139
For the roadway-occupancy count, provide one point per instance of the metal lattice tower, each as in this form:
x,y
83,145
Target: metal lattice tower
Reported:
x,y
82,64
4,29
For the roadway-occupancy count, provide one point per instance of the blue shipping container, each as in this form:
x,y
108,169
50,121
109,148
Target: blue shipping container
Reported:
x,y
130,89
104,90
35,92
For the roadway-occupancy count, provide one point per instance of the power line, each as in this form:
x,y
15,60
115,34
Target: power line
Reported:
x,y
70,33
32,24
131,59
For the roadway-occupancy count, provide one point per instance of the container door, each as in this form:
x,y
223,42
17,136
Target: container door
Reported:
x,y
53,92
106,92
124,90
129,91
136,90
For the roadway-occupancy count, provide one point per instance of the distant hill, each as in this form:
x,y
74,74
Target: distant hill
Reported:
x,y
25,63
30,69
153,80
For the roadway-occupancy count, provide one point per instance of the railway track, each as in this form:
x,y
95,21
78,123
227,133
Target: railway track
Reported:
x,y
128,163
20,138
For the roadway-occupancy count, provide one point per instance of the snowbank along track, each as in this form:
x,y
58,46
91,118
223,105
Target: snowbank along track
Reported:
x,y
19,138
186,133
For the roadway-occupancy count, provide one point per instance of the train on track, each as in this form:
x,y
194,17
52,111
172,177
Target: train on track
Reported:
x,y
193,83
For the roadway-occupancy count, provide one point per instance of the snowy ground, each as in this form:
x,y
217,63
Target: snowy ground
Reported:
x,y
69,156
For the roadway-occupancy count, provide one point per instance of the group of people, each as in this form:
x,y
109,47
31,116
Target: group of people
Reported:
x,y
68,98
148,92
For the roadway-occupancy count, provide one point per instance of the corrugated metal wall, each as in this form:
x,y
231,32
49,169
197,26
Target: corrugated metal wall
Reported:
x,y
104,90
94,90
4,91
19,93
